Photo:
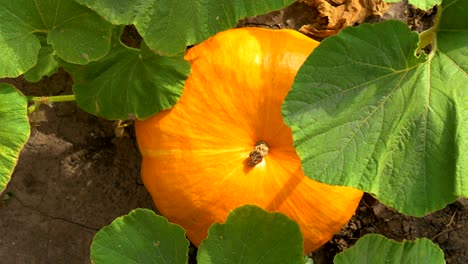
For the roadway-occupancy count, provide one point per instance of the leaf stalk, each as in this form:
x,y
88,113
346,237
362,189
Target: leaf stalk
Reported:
x,y
430,35
37,101
51,99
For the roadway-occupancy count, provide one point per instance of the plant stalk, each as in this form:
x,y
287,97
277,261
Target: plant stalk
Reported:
x,y
426,37
430,35
51,99
37,101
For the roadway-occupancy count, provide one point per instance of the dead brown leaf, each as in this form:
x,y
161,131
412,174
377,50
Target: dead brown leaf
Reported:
x,y
334,15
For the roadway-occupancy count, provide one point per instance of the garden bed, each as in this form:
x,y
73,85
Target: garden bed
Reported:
x,y
78,172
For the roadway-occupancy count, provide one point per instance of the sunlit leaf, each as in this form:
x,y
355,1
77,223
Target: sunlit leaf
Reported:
x,y
14,130
374,248
140,237
128,82
367,112
252,235
168,26
76,33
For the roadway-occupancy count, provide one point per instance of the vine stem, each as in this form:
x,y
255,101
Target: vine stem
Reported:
x,y
51,99
430,35
426,37
38,100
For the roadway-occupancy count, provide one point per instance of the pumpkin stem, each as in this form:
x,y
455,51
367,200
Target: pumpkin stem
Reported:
x,y
258,153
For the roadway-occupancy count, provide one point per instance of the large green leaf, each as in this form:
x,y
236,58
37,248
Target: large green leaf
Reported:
x,y
77,34
450,69
140,237
376,249
14,130
252,235
129,82
168,26
367,112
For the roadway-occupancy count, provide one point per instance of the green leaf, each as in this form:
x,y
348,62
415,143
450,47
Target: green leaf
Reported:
x,y
168,26
252,235
140,237
367,112
421,4
450,70
129,82
375,249
14,130
46,65
77,34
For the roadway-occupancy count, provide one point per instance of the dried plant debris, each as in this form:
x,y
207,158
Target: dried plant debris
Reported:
x,y
322,18
334,15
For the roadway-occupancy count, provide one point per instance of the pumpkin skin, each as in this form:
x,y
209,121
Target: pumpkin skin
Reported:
x,y
196,155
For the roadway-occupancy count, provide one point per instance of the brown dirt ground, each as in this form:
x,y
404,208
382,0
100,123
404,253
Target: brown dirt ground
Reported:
x,y
75,175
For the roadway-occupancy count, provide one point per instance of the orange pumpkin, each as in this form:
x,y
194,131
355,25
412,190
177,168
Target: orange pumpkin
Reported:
x,y
206,156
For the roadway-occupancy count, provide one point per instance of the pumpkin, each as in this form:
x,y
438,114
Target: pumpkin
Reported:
x,y
225,144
